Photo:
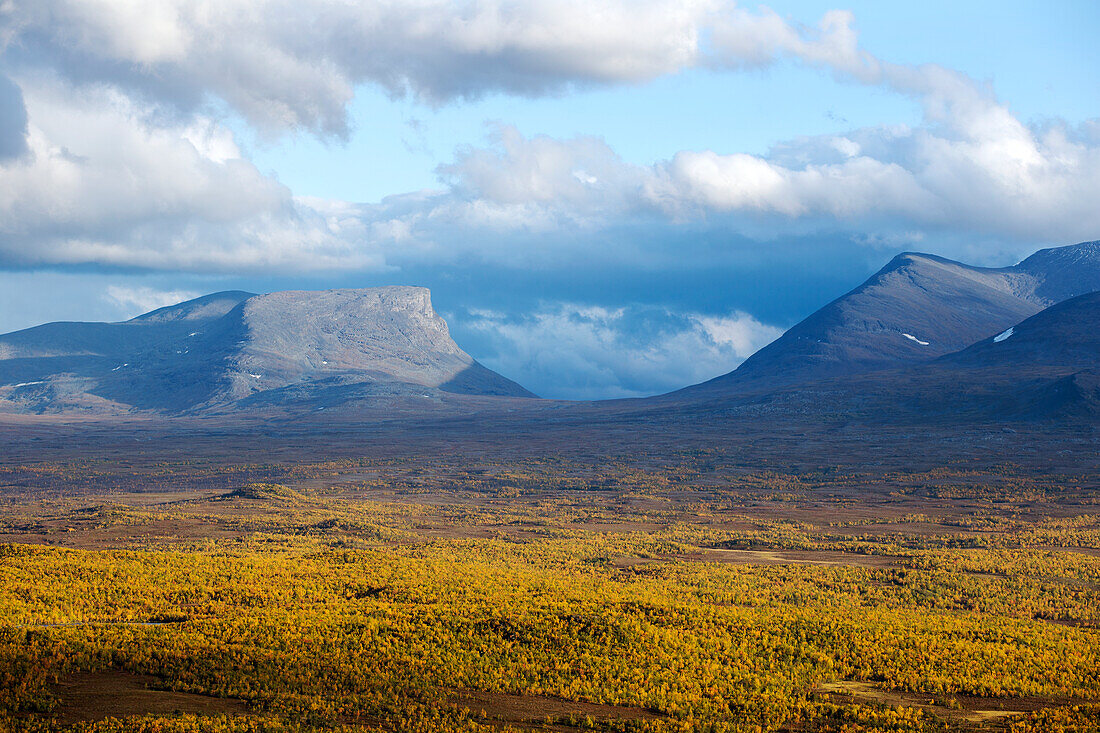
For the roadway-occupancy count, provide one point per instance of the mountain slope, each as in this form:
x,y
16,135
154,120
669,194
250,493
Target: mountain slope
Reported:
x,y
1066,335
1047,367
917,308
1061,273
232,350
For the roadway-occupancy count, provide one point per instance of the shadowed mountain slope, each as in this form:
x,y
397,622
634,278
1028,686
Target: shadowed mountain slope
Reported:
x,y
235,349
917,308
1066,335
1047,367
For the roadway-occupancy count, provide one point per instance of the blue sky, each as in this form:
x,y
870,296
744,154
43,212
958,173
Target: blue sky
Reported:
x,y
1041,58
607,199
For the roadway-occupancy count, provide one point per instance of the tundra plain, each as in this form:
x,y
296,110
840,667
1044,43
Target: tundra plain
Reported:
x,y
433,575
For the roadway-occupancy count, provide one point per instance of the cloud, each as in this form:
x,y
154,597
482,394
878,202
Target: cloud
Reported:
x,y
140,299
295,63
108,182
13,120
1025,183
125,165
998,179
181,198
582,175
572,351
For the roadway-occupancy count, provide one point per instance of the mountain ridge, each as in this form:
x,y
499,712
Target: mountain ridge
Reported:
x,y
1046,367
916,308
921,321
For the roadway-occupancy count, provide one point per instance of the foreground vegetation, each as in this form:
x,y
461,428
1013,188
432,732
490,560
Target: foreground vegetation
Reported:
x,y
616,605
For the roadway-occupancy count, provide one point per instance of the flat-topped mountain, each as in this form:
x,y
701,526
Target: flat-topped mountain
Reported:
x,y
915,309
235,349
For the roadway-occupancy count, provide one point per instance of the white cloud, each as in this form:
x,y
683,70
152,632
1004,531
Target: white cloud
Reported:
x,y
581,175
572,351
1017,182
107,182
1001,179
137,300
295,63
126,167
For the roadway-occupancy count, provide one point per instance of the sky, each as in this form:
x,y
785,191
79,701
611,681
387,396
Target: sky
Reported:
x,y
607,199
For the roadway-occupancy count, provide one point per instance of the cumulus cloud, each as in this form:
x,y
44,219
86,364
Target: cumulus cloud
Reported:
x,y
108,182
572,351
141,299
972,167
582,175
295,63
181,198
1001,179
116,159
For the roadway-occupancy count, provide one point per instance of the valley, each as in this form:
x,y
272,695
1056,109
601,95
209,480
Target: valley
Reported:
x,y
549,366
324,515
419,587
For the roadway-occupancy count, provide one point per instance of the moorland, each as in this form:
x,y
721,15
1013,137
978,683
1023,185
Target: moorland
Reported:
x,y
417,575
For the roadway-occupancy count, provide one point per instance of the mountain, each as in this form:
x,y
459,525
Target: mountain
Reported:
x,y
915,309
205,308
1064,336
1046,367
236,350
925,337
1060,273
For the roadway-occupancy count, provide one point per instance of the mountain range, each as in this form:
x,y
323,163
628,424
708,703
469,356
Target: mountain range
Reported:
x,y
924,338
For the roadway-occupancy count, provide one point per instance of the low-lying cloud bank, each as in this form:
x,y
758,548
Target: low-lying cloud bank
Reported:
x,y
578,352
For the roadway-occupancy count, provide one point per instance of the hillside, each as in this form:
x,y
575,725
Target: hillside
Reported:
x,y
917,308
